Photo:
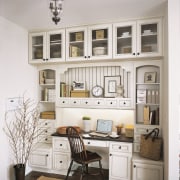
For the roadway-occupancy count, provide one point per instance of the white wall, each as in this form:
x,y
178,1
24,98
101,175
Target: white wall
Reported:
x,y
174,88
16,78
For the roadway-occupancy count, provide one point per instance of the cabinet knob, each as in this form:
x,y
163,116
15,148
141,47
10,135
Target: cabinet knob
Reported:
x,y
98,102
85,56
60,144
86,102
89,143
124,103
110,102
60,161
133,54
138,53
44,59
46,124
46,131
47,155
119,147
74,102
88,56
46,139
110,154
63,102
134,166
147,130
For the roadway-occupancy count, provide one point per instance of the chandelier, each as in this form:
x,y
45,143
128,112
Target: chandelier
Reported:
x,y
56,9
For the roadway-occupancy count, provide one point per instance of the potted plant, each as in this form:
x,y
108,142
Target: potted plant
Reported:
x,y
86,123
21,128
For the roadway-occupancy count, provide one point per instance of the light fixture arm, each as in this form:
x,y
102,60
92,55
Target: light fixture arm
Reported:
x,y
56,9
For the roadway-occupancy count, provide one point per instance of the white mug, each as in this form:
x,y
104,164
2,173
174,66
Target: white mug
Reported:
x,y
114,133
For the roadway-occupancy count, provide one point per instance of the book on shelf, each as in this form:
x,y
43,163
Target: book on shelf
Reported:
x,y
153,97
157,96
51,95
157,116
149,96
62,89
42,77
146,115
152,117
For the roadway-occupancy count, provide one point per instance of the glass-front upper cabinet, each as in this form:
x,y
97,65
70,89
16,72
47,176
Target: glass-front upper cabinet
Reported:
x,y
124,39
149,37
46,47
89,43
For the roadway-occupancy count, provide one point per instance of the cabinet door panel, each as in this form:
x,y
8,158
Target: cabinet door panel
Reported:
x,y
120,166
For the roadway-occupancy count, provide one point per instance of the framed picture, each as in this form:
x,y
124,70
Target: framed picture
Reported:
x,y
149,77
77,85
110,85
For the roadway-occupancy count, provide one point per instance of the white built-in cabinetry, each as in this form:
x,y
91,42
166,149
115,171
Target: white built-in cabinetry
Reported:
x,y
119,41
141,38
47,47
144,169
81,41
120,156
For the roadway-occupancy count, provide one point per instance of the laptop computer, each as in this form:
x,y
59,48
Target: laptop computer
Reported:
x,y
103,128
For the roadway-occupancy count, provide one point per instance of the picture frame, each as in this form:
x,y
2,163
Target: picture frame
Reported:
x,y
149,77
79,85
110,85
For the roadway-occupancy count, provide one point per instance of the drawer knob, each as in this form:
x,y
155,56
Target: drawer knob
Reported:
x,y
124,103
47,155
86,102
119,147
98,102
46,131
74,102
46,124
147,130
63,102
110,154
46,139
89,143
134,166
60,144
110,102
60,161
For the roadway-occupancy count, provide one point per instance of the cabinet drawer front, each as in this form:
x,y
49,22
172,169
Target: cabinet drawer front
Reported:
x,y
45,138
61,144
95,143
46,123
87,102
40,159
75,102
136,147
99,102
111,103
121,147
125,103
63,102
61,161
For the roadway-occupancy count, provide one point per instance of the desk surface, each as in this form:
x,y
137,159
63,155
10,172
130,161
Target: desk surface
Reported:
x,y
121,138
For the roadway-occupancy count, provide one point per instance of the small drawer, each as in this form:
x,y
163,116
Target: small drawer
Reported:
x,y
87,102
46,123
45,138
61,144
95,143
63,102
75,102
136,147
99,102
46,131
111,103
125,103
137,137
121,147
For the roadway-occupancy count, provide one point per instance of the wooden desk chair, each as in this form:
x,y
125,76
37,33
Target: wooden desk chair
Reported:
x,y
79,154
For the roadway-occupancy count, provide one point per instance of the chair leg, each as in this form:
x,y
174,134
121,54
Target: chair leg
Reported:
x,y
87,169
101,170
69,170
83,169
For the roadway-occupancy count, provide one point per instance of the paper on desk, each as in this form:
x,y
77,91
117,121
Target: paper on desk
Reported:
x,y
86,135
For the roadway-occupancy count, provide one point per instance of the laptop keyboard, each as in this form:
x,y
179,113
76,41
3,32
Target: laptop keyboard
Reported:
x,y
98,134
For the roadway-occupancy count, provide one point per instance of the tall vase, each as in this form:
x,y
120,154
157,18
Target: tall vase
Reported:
x,y
87,125
19,170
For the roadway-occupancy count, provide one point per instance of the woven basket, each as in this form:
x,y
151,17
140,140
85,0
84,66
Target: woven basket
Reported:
x,y
62,129
151,147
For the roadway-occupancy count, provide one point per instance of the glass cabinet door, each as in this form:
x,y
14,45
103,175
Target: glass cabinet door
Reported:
x,y
100,42
76,43
149,37
124,39
56,45
37,46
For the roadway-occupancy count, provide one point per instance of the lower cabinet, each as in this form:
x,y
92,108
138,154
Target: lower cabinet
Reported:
x,y
41,157
120,156
144,169
61,155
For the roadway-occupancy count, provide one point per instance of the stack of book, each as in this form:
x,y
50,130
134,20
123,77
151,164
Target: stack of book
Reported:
x,y
48,95
65,90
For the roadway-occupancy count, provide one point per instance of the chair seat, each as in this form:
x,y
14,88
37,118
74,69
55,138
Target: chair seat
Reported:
x,y
91,157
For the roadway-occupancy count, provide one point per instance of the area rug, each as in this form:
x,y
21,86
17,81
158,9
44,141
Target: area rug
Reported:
x,y
47,178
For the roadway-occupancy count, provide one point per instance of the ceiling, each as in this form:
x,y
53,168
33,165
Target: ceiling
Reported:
x,y
35,14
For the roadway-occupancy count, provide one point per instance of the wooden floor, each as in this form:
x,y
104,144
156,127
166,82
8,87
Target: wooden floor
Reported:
x,y
76,176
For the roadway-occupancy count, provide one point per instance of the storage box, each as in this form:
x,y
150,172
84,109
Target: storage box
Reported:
x,y
100,34
79,36
47,115
79,93
129,130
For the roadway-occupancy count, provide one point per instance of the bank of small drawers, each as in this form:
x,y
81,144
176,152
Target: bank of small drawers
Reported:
x,y
119,103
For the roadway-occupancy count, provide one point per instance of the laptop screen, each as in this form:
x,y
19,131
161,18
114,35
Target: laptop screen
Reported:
x,y
104,126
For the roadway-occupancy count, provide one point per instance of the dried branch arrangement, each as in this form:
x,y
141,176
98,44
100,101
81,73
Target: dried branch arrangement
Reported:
x,y
21,128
